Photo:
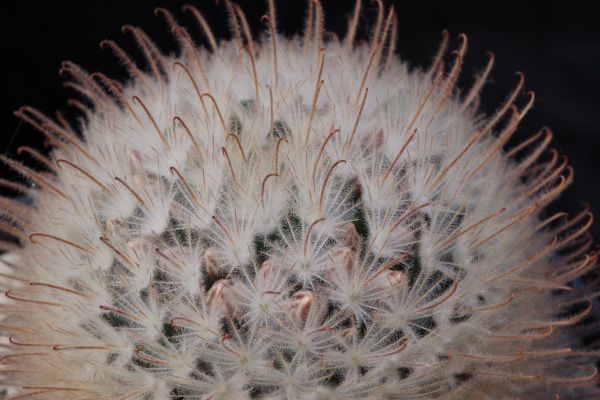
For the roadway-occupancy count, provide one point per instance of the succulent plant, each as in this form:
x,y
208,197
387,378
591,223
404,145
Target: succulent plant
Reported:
x,y
292,218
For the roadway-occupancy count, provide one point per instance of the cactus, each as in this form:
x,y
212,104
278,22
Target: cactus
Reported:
x,y
292,218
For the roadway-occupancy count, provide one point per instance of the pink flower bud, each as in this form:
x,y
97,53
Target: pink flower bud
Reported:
x,y
301,304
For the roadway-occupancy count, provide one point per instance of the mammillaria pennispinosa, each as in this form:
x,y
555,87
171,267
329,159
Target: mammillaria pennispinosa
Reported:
x,y
292,218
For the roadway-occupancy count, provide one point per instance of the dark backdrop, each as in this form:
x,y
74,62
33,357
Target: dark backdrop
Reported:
x,y
556,44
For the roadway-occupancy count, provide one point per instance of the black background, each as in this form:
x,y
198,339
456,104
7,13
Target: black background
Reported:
x,y
556,44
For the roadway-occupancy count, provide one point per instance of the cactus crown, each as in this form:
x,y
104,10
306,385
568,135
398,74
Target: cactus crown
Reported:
x,y
291,219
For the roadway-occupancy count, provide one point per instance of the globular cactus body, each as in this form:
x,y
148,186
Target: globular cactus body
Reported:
x,y
292,219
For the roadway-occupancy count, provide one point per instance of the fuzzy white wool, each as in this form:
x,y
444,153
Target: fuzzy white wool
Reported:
x,y
292,219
